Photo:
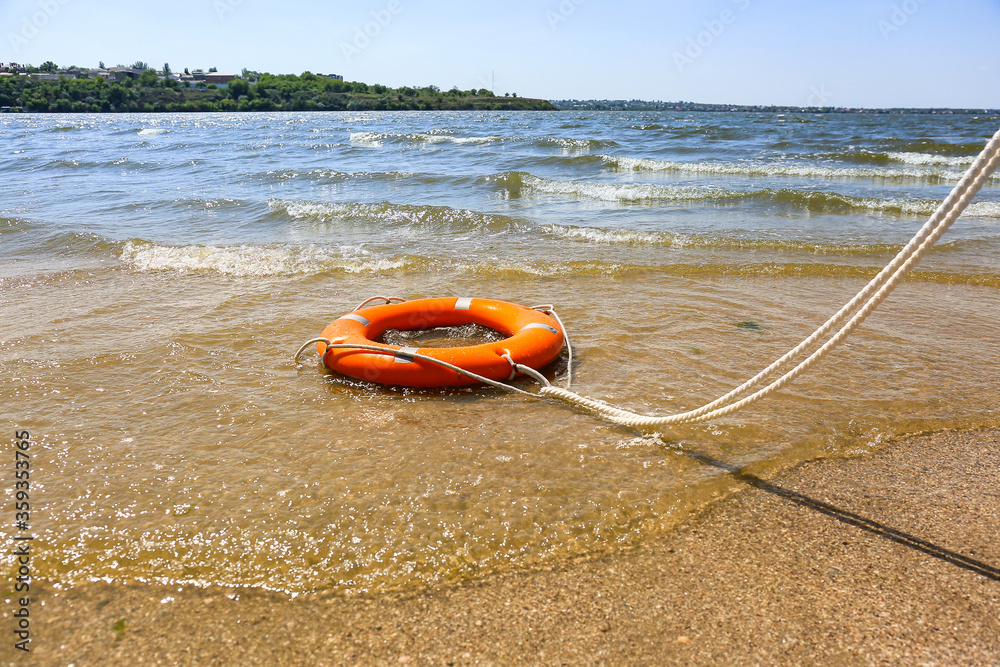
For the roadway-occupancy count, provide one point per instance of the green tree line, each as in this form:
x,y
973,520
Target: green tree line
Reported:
x,y
270,92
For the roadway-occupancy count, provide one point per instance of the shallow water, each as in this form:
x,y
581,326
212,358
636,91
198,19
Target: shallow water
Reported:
x,y
161,270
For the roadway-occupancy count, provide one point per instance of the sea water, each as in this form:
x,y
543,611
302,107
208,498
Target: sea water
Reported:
x,y
159,272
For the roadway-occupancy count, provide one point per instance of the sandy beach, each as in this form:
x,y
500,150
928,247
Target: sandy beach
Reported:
x,y
888,558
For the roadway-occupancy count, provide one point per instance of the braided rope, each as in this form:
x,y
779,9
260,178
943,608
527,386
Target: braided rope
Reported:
x,y
388,351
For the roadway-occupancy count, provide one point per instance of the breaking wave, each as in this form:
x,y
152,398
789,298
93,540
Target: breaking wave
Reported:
x,y
402,215
629,237
800,171
931,159
517,181
813,201
376,139
256,261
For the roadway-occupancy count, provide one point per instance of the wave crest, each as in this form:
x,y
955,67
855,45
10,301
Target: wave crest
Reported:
x,y
800,171
814,201
256,261
569,144
397,215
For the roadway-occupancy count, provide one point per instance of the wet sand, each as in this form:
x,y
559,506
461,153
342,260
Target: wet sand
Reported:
x,y
891,557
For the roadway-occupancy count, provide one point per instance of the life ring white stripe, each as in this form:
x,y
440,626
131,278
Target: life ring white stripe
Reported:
x,y
357,318
404,355
539,325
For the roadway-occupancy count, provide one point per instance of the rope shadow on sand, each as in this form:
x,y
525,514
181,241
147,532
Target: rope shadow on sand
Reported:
x,y
852,519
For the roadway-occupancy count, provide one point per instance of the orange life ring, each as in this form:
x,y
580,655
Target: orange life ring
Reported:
x,y
534,339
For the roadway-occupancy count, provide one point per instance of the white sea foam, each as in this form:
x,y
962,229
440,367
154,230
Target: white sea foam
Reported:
x,y
428,137
614,236
576,146
576,143
799,171
255,261
323,212
921,207
930,159
983,209
375,139
622,192
977,209
306,209
475,140
567,144
398,215
643,192
665,239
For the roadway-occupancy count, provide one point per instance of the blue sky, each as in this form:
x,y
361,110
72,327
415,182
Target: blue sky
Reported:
x,y
846,53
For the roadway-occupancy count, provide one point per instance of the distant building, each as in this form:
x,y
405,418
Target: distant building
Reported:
x,y
122,73
219,78
338,77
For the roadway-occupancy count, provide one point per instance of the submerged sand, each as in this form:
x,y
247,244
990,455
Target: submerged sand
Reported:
x,y
892,557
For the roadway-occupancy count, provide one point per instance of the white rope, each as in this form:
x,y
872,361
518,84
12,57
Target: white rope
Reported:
x,y
387,299
854,312
423,357
306,344
549,310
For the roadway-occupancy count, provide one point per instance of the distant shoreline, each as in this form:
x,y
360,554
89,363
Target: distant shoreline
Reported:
x,y
536,104
495,104
646,105
139,90
210,101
